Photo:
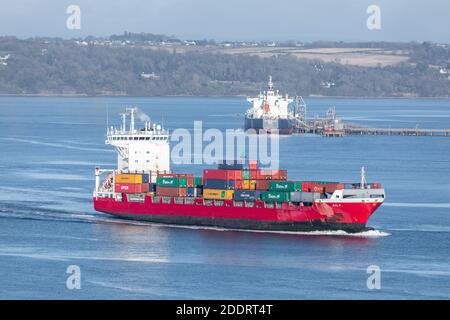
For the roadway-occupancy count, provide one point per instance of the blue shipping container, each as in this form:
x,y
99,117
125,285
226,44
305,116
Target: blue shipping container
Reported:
x,y
218,184
190,192
249,195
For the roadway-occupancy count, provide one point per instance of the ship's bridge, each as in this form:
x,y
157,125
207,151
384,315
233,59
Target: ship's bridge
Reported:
x,y
140,149
270,104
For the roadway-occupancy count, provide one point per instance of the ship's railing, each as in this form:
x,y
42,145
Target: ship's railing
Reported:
x,y
210,202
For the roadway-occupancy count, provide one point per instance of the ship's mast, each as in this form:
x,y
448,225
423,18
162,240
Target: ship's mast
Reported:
x,y
363,178
270,84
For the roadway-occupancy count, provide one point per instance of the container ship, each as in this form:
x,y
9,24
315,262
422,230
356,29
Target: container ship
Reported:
x,y
270,112
233,196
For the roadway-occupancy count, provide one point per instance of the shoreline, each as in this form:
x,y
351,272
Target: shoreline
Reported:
x,y
215,96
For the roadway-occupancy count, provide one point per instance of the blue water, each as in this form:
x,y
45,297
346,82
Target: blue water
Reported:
x,y
50,146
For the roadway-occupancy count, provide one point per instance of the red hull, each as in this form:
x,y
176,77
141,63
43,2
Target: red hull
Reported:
x,y
349,216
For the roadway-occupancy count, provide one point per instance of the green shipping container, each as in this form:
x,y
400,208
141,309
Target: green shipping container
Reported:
x,y
171,182
281,186
197,182
245,174
275,196
297,186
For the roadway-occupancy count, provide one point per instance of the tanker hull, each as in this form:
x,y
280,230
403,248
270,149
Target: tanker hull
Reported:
x,y
270,126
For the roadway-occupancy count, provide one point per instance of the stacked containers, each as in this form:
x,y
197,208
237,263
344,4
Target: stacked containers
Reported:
x,y
131,183
175,185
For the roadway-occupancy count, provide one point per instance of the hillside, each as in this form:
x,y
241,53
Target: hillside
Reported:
x,y
136,64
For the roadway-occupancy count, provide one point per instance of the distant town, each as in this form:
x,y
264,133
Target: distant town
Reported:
x,y
148,64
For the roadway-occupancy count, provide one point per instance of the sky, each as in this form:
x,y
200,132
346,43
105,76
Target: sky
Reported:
x,y
223,20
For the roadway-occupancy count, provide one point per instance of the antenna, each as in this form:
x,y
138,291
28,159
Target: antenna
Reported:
x,y
107,117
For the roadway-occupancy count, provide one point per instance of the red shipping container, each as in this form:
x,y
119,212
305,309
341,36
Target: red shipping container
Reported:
x,y
279,174
262,174
253,174
330,187
190,181
171,192
131,187
167,175
253,164
262,184
218,174
312,187
238,184
185,175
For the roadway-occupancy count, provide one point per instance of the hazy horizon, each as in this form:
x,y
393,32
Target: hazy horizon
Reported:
x,y
331,20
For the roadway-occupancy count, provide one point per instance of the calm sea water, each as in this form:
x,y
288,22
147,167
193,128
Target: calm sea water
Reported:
x,y
50,146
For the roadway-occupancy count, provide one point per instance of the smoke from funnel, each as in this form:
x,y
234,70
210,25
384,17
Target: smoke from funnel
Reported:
x,y
142,116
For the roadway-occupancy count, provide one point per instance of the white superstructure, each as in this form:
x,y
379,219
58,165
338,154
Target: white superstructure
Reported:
x,y
270,104
143,149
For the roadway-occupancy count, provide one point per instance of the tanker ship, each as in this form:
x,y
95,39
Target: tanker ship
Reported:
x,y
233,196
270,112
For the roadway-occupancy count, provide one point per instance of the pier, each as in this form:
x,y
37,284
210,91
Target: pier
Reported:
x,y
332,126
397,131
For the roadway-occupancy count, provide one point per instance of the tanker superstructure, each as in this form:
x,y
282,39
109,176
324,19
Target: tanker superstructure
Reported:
x,y
232,196
271,112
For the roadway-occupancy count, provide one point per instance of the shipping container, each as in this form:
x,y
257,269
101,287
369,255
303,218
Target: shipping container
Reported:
x,y
217,194
145,178
253,164
222,174
252,184
171,191
167,175
248,195
330,188
198,182
253,174
309,186
262,184
275,196
246,184
190,192
231,165
280,174
245,174
128,178
264,174
281,186
131,187
297,186
297,196
190,182
171,182
219,184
